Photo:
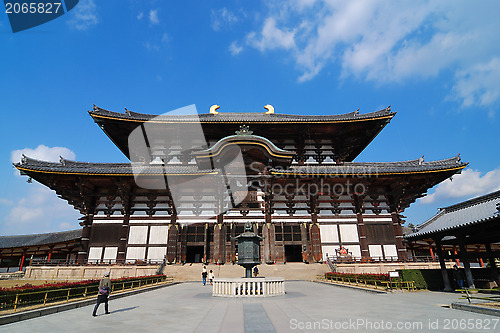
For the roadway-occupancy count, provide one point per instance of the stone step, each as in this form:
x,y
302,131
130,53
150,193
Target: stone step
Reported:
x,y
289,271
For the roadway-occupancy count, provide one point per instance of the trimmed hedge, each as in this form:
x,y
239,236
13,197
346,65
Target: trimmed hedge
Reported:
x,y
361,277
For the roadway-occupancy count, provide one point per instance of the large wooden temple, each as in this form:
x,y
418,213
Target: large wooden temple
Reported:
x,y
303,193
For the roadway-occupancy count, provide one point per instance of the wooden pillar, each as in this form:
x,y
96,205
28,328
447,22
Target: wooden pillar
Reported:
x,y
50,254
172,242
431,252
219,241
492,262
362,236
305,245
398,232
21,264
465,260
444,272
182,243
83,254
456,258
122,245
206,244
233,243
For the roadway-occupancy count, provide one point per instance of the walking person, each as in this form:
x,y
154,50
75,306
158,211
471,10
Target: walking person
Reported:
x,y
211,277
204,275
103,296
459,278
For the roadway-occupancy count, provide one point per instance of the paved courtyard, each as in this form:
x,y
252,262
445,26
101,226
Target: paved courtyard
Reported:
x,y
307,307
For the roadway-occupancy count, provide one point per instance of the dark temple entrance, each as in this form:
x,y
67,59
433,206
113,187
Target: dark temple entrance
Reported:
x,y
194,254
293,253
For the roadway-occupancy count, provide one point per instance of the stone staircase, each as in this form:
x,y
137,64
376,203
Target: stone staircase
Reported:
x,y
289,271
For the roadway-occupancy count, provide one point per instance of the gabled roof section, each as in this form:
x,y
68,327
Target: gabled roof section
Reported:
x,y
39,239
376,168
238,117
467,213
28,165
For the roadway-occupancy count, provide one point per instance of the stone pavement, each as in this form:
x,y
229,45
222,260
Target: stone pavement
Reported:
x,y
307,307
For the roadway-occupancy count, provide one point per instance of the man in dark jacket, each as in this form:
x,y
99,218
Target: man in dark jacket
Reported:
x,y
459,278
103,296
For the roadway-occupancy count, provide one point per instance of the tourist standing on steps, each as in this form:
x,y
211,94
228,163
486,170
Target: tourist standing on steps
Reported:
x,y
211,277
103,296
204,275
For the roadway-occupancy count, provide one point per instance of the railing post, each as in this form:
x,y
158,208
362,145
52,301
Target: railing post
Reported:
x,y
45,298
15,302
85,292
67,296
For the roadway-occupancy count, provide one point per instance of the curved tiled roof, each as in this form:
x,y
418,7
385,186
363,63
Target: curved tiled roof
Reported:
x,y
378,168
88,168
39,239
249,117
473,211
346,168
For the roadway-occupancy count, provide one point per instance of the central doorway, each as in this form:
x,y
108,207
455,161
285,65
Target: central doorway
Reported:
x,y
293,253
194,254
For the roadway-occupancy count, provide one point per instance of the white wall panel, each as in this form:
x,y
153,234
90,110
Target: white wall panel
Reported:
x,y
135,253
156,252
110,253
137,234
390,251
330,250
349,233
375,251
354,250
329,233
158,234
95,253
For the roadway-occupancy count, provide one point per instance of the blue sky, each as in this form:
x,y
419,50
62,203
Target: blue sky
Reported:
x,y
436,63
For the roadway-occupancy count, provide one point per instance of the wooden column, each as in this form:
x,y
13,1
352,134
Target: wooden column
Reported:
x,y
182,243
398,232
465,261
172,242
492,262
122,245
305,245
82,255
444,272
219,241
362,236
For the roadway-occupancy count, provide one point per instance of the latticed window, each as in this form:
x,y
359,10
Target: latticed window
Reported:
x,y
291,233
196,233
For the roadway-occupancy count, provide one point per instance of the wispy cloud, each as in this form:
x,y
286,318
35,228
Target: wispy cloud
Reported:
x,y
140,16
153,16
43,153
84,15
158,43
391,41
235,48
468,184
222,17
39,211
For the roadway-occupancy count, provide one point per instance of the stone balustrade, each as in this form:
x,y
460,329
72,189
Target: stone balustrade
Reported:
x,y
248,287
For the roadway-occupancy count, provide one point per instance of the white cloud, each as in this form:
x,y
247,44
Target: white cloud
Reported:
x,y
84,15
6,202
39,211
468,184
153,16
478,85
222,17
235,48
140,16
165,38
271,37
391,41
43,153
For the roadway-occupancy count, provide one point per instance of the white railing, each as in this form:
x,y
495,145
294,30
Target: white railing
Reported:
x,y
248,287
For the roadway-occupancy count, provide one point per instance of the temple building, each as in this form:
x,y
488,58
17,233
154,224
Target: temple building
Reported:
x,y
291,176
